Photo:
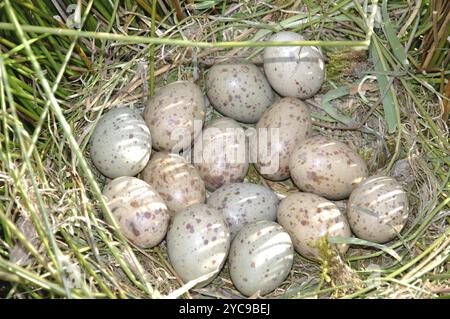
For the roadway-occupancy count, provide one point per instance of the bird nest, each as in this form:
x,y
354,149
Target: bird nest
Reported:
x,y
58,78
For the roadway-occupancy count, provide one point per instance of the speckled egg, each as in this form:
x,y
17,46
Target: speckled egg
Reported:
x,y
244,203
170,114
377,209
326,167
221,155
238,89
308,218
177,181
294,71
197,243
291,117
121,143
261,257
139,211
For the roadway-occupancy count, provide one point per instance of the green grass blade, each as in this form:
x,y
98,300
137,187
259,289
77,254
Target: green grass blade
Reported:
x,y
396,46
362,242
331,110
390,99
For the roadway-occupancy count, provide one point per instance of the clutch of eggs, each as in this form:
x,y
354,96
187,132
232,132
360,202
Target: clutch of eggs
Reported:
x,y
241,221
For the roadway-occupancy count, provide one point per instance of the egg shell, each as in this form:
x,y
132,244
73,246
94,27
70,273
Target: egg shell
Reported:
x,y
377,209
139,211
177,181
197,243
121,143
221,155
238,89
261,257
171,114
244,203
326,167
292,119
308,218
294,71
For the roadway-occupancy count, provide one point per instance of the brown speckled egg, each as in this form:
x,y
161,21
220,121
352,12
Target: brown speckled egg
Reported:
x,y
177,181
197,243
294,71
326,167
261,257
238,89
291,117
244,203
170,115
308,218
377,209
139,211
121,143
221,155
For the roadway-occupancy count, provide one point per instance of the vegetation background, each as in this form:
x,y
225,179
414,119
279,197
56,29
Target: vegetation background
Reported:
x,y
64,62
